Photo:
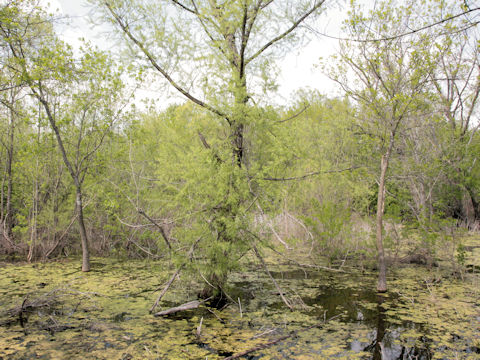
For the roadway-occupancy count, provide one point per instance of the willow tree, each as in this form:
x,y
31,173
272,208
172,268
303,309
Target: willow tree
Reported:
x,y
220,55
386,73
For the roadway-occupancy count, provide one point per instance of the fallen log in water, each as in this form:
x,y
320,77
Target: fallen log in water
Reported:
x,y
187,306
174,276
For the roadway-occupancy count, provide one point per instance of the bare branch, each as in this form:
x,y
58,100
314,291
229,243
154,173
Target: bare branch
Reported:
x,y
162,230
414,31
272,278
287,32
306,106
178,3
310,174
174,276
124,27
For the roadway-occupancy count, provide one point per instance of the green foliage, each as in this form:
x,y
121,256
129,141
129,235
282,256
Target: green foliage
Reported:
x,y
330,223
313,161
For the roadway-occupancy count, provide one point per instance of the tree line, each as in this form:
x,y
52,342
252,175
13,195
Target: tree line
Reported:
x,y
227,173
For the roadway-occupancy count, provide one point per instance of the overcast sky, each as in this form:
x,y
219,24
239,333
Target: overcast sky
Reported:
x,y
297,69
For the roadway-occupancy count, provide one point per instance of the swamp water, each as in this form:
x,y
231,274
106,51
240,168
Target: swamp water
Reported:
x,y
104,314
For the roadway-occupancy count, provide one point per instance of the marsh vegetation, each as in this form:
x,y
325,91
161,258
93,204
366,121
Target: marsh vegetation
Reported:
x,y
229,225
103,314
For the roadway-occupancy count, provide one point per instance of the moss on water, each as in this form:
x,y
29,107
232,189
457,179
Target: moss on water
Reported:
x,y
104,314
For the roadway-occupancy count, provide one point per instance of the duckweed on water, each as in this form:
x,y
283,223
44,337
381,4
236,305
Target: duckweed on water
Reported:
x,y
104,314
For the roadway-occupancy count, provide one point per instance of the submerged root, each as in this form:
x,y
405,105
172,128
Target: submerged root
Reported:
x,y
47,306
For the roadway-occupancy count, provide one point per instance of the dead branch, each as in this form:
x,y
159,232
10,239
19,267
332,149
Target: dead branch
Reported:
x,y
187,306
199,328
174,276
162,230
300,223
45,301
294,116
314,173
165,289
218,317
269,224
279,289
143,249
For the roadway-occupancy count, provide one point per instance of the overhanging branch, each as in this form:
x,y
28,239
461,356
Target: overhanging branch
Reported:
x,y
314,173
306,106
388,38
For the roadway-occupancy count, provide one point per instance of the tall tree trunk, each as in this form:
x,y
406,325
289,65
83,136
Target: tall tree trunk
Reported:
x,y
33,229
83,232
382,267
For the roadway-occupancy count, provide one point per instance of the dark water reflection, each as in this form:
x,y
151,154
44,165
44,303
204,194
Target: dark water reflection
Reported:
x,y
384,335
358,304
384,347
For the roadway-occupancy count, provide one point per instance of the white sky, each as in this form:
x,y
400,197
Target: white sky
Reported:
x,y
297,69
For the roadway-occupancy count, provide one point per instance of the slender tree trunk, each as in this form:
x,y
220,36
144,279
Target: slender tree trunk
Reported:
x,y
33,233
2,212
8,208
2,190
75,176
81,227
35,200
382,267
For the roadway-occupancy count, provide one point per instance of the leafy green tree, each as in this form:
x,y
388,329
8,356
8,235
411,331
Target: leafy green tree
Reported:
x,y
388,80
80,97
225,53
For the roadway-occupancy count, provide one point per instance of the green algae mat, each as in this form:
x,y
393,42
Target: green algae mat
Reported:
x,y
104,314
